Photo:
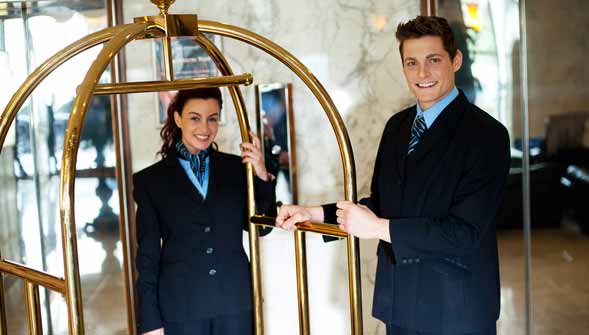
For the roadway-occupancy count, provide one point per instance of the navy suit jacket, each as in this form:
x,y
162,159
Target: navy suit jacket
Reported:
x,y
440,272
199,269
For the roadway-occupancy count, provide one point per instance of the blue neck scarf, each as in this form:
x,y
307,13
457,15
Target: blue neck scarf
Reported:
x,y
197,162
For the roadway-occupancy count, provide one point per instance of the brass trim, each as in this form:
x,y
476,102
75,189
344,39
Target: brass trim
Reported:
x,y
34,276
180,84
33,308
302,286
168,58
68,172
306,226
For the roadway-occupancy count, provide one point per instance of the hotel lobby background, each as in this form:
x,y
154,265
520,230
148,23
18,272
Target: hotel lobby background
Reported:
x,y
349,45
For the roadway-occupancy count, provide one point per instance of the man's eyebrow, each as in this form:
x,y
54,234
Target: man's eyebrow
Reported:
x,y
433,55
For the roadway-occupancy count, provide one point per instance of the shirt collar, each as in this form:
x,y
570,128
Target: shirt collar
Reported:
x,y
434,111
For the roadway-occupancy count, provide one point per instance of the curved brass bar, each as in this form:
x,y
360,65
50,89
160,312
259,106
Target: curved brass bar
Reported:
x,y
33,308
309,79
35,78
239,104
341,134
68,171
35,276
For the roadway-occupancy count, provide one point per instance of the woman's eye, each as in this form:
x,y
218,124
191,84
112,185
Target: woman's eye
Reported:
x,y
213,119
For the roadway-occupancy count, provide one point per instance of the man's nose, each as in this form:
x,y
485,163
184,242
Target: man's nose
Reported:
x,y
423,70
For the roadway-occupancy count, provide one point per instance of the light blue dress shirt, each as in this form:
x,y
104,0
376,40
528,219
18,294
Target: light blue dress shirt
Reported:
x,y
205,180
431,114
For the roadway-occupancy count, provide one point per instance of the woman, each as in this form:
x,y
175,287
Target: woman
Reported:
x,y
194,276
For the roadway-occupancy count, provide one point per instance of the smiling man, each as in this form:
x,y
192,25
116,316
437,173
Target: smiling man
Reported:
x,y
438,181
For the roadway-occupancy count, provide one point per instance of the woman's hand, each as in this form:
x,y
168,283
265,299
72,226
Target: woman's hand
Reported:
x,y
159,331
252,153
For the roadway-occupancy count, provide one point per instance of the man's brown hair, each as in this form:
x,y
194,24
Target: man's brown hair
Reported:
x,y
427,26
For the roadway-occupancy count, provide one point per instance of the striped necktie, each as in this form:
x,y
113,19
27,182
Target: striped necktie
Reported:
x,y
419,127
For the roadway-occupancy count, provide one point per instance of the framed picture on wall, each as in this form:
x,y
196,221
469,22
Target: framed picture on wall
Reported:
x,y
190,60
275,121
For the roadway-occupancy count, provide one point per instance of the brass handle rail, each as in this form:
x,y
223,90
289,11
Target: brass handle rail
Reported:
x,y
34,276
306,226
167,85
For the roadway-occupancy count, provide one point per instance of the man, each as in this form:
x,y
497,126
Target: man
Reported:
x,y
438,181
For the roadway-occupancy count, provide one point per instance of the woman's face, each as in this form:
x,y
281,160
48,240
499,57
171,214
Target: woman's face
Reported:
x,y
199,123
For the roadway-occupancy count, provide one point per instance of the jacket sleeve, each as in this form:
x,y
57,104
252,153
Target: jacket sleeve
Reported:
x,y
265,202
476,200
329,210
147,259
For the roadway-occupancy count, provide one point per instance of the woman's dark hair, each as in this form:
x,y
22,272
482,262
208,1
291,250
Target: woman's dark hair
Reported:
x,y
170,132
427,26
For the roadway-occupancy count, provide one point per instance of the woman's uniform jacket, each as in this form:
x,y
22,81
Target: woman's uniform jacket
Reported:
x,y
440,272
200,270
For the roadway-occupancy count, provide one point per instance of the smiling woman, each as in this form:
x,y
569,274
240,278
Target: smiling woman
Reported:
x,y
191,210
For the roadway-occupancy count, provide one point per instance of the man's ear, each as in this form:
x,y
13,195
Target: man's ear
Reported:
x,y
178,119
457,61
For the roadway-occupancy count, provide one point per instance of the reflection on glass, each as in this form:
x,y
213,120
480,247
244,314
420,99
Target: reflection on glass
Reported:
x,y
274,118
486,33
31,159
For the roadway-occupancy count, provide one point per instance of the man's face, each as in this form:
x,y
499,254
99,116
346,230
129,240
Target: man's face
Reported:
x,y
428,69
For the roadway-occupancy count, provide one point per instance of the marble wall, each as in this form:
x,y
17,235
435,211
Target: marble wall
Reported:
x,y
350,46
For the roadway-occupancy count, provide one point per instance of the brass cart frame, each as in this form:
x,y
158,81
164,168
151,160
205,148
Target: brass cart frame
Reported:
x,y
166,26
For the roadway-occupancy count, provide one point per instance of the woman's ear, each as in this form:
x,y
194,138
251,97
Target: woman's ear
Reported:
x,y
178,120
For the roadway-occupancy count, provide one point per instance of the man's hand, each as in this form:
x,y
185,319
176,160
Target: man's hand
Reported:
x,y
159,331
360,221
289,215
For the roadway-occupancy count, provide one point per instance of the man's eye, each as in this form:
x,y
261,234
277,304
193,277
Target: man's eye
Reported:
x,y
195,118
410,64
436,60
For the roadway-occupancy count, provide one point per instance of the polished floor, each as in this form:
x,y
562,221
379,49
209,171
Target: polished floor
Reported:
x,y
560,299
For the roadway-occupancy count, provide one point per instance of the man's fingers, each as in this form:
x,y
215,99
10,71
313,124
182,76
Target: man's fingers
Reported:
x,y
343,204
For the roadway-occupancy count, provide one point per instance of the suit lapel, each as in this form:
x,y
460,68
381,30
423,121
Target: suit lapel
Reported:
x,y
442,129
215,182
179,179
401,142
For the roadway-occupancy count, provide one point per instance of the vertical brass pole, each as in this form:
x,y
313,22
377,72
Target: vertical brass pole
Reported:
x,y
68,173
3,325
239,104
302,287
33,308
355,284
168,59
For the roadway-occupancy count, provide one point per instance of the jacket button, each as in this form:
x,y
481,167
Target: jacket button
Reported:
x,y
212,272
209,251
207,229
410,260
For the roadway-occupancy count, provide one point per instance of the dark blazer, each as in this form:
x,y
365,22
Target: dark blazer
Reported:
x,y
440,272
200,269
